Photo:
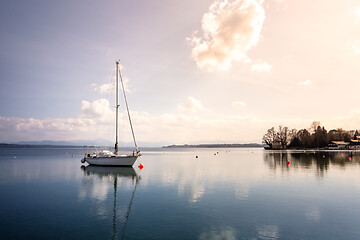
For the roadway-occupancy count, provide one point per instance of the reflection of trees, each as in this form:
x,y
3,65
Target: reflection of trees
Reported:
x,y
318,160
303,160
308,160
344,158
276,159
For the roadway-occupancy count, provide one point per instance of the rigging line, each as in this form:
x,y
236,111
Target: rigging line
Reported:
x,y
127,108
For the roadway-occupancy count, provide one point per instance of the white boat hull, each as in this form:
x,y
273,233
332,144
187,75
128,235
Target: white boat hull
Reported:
x,y
112,161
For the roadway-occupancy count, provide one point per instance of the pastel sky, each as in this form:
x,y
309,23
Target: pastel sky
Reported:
x,y
200,71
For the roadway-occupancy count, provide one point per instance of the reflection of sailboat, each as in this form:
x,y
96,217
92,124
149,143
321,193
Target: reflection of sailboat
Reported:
x,y
110,171
115,172
105,157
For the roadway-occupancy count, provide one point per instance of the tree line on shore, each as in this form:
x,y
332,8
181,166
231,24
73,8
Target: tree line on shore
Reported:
x,y
314,137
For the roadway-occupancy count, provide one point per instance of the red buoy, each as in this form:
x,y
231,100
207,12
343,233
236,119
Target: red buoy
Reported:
x,y
350,158
288,162
141,166
72,155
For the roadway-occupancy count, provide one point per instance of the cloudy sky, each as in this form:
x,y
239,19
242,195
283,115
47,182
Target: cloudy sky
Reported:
x,y
195,71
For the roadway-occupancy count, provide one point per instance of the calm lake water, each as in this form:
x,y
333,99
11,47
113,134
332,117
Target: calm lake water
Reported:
x,y
235,194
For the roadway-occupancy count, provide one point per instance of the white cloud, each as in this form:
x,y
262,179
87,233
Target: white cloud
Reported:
x,y
239,104
148,128
171,128
97,123
191,105
110,87
105,88
261,67
126,84
22,129
98,109
305,83
230,29
125,79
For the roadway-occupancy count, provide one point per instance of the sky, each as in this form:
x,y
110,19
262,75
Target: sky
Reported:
x,y
200,71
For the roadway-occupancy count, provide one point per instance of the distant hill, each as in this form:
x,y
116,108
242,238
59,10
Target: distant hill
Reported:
x,y
12,145
221,145
45,142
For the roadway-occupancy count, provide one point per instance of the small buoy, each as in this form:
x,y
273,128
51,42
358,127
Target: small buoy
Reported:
x,y
323,156
141,166
288,162
14,157
72,155
197,156
214,154
350,158
217,152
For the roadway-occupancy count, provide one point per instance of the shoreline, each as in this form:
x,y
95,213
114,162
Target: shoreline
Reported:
x,y
221,145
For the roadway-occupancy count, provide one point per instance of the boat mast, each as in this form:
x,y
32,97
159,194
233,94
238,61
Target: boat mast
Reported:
x,y
117,108
128,112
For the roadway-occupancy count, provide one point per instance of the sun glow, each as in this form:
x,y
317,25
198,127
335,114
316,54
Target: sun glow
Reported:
x,y
357,13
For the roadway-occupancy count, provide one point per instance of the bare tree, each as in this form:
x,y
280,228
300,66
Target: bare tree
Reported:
x,y
293,133
270,136
314,126
284,136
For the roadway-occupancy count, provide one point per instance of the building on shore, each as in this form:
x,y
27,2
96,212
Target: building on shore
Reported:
x,y
338,145
354,144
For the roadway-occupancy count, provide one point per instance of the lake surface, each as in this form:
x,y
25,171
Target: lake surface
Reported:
x,y
232,194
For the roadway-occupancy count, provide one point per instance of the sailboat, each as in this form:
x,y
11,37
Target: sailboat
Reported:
x,y
106,157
